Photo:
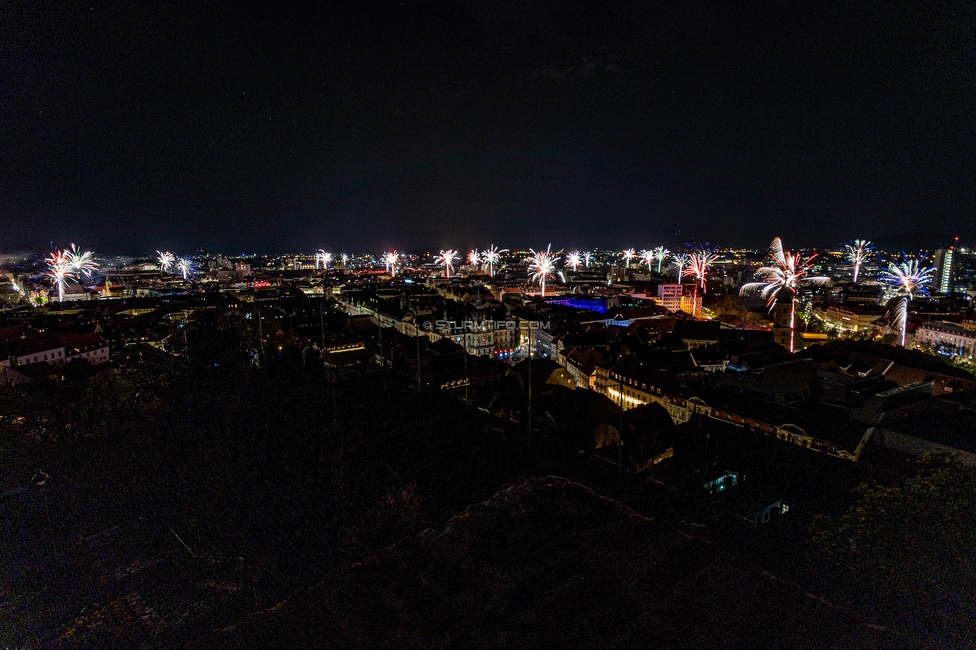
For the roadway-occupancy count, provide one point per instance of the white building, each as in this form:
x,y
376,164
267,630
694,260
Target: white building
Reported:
x,y
946,338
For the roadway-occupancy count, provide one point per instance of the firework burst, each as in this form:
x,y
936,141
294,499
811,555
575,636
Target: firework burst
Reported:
x,y
541,266
59,271
446,259
391,260
680,261
629,254
647,258
345,260
81,262
474,257
165,261
906,279
491,257
324,258
699,262
574,260
587,258
858,252
660,254
787,273
185,267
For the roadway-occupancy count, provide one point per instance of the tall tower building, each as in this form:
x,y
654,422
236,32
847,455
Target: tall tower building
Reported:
x,y
783,322
943,265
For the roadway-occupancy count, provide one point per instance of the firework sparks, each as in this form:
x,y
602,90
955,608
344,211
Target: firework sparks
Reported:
x,y
391,260
788,272
59,271
185,267
446,259
324,258
491,257
587,258
646,257
474,258
907,279
345,260
901,317
574,260
858,252
698,264
165,261
81,261
629,254
541,266
680,261
660,254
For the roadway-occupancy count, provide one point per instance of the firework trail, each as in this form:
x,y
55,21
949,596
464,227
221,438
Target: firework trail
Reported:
x,y
186,267
165,261
323,257
541,266
59,271
446,259
587,258
680,262
345,260
390,260
858,252
906,279
661,253
787,273
574,260
646,257
491,257
81,261
698,264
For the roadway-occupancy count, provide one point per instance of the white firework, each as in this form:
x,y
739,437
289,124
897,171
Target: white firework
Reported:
x,y
324,258
574,260
542,265
490,257
660,254
165,261
646,257
185,267
81,261
59,271
906,279
447,259
698,264
787,273
858,252
679,262
629,254
390,260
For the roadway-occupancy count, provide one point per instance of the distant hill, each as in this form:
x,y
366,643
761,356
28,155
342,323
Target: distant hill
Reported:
x,y
545,564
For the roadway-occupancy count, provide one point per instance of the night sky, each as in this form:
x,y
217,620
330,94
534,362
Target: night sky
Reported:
x,y
243,126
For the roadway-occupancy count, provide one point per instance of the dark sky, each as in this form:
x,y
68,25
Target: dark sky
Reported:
x,y
244,126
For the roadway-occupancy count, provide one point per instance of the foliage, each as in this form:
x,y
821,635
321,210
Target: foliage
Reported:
x,y
916,544
727,305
